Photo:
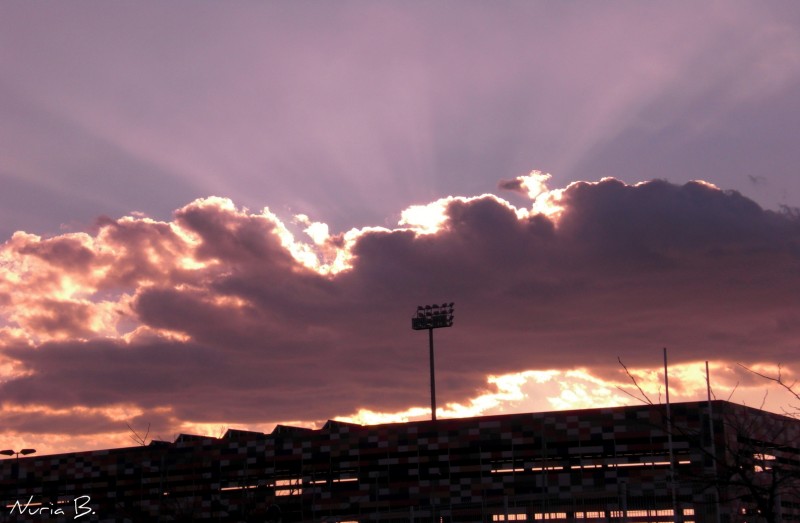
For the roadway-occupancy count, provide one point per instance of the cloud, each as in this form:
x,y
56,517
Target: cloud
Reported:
x,y
514,185
222,315
307,109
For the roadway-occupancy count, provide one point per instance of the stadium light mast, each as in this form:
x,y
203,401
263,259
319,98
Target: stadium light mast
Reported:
x,y
429,317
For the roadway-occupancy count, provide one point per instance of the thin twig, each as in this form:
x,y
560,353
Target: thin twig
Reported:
x,y
634,396
732,391
645,398
777,379
136,437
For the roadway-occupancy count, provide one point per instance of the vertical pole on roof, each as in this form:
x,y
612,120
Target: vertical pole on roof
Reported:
x,y
675,515
433,380
713,443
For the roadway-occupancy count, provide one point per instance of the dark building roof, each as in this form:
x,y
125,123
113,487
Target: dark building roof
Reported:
x,y
610,464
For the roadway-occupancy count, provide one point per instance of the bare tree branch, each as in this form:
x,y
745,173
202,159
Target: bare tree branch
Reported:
x,y
634,396
645,398
136,437
732,391
791,387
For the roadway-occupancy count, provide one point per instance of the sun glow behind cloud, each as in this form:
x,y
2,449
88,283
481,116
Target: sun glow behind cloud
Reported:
x,y
432,217
546,390
545,201
527,391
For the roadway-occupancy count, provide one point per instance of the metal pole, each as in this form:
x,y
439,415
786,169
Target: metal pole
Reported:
x,y
713,445
432,317
675,515
433,381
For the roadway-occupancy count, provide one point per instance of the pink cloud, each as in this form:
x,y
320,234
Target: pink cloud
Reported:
x,y
219,315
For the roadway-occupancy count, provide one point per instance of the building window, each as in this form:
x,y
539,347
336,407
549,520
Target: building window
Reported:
x,y
550,515
288,487
520,516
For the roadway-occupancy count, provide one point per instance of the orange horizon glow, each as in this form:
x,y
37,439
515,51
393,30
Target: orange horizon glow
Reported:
x,y
522,392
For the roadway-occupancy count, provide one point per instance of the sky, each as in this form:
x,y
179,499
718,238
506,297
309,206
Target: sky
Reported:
x,y
223,215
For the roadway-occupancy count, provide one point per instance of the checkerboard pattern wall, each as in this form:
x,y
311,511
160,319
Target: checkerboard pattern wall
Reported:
x,y
599,464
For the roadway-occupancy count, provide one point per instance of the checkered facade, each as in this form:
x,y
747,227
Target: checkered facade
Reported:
x,y
593,465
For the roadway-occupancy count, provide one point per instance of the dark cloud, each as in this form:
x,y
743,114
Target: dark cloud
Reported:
x,y
61,318
514,185
141,250
254,336
75,423
67,253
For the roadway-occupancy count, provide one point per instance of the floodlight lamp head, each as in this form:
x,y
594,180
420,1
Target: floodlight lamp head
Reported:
x,y
432,317
7,452
25,452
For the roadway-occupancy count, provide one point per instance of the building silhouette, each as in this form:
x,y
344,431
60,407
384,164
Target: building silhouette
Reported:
x,y
609,465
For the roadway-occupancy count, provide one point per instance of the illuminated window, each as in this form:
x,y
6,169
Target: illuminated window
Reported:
x,y
539,469
763,462
550,515
346,476
288,487
506,467
236,487
511,517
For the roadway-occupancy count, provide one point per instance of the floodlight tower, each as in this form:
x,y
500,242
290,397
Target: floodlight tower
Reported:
x,y
432,317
